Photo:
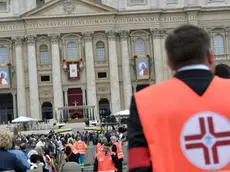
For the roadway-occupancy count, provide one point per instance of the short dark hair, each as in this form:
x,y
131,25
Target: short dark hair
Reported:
x,y
34,158
186,45
107,144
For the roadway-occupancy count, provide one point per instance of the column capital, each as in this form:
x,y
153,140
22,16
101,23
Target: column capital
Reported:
x,y
65,90
87,36
31,39
54,38
111,34
13,93
83,88
124,34
18,40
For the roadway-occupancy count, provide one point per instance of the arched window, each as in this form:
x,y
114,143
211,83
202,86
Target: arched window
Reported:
x,y
140,47
4,55
44,55
100,51
219,44
72,51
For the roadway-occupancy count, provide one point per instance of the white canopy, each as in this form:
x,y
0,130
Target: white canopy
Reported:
x,y
22,119
122,113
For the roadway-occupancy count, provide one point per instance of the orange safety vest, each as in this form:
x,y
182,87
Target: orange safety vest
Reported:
x,y
185,131
73,150
119,152
99,148
105,163
80,146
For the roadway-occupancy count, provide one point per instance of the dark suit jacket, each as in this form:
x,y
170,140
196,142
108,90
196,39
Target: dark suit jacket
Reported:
x,y
9,161
139,158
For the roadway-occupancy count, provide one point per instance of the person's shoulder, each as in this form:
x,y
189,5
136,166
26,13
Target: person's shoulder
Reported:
x,y
14,151
222,82
9,155
153,88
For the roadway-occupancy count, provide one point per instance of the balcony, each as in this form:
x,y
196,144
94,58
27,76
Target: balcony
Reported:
x,y
45,67
101,63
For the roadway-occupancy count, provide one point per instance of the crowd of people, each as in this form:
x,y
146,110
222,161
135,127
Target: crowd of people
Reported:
x,y
21,153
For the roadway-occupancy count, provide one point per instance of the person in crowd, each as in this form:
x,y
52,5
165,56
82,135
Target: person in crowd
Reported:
x,y
34,161
81,147
72,155
117,149
42,157
164,116
41,142
50,162
8,161
21,156
105,160
100,146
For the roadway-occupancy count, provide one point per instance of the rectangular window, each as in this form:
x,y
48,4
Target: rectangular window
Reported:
x,y
45,78
210,1
3,6
4,55
44,58
98,1
136,2
100,54
172,2
102,75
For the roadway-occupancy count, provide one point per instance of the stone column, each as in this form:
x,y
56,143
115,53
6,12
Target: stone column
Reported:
x,y
159,73
66,96
164,55
56,70
83,95
16,7
114,77
21,91
14,104
33,78
126,68
90,72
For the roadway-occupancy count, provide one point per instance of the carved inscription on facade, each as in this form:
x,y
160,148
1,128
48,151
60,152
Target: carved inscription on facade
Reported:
x,y
9,27
105,21
102,21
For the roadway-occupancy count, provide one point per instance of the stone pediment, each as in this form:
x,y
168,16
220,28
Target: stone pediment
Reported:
x,y
62,8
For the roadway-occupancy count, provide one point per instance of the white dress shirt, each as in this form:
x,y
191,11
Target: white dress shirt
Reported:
x,y
191,67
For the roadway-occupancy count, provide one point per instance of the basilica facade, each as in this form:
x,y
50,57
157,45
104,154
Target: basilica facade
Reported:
x,y
61,53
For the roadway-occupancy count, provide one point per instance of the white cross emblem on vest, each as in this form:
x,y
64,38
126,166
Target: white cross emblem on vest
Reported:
x,y
205,141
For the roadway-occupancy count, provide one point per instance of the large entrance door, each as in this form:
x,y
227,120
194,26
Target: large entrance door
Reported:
x,y
47,111
104,107
75,98
6,108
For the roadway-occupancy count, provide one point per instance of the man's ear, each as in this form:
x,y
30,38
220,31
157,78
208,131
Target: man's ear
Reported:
x,y
210,58
211,63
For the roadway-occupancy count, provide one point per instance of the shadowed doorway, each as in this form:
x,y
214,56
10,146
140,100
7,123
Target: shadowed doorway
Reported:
x,y
47,111
6,108
104,107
